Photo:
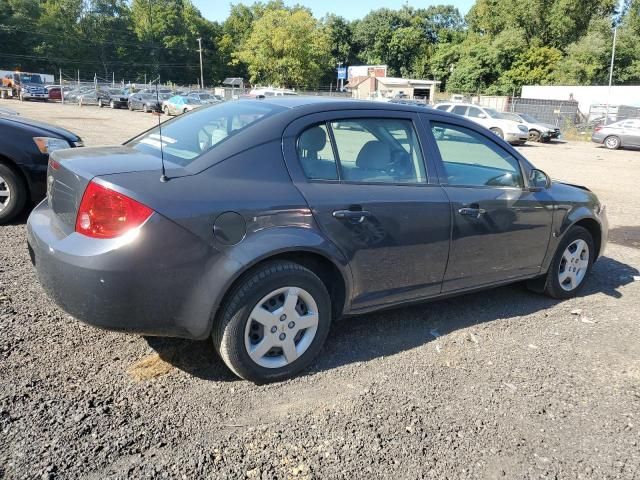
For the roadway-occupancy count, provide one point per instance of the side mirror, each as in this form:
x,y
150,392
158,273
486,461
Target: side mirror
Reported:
x,y
482,115
538,180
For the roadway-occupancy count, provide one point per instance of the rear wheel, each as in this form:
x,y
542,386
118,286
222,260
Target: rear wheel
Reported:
x,y
612,142
145,109
497,131
13,194
571,264
184,110
166,111
112,104
100,104
274,323
130,106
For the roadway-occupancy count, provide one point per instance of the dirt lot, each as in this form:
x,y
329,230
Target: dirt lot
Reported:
x,y
500,384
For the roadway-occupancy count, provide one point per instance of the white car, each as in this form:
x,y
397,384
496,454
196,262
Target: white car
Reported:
x,y
513,132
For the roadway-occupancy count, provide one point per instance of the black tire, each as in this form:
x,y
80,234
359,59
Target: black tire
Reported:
x,y
18,197
612,142
166,111
229,328
534,136
145,109
100,104
130,106
553,288
112,104
497,131
184,110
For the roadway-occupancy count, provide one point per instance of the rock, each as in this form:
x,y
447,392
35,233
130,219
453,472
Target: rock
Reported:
x,y
576,311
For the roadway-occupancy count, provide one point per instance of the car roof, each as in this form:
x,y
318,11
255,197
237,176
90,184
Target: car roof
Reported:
x,y
318,103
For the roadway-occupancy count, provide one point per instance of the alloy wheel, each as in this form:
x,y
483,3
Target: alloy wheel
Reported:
x,y
573,265
5,194
612,143
281,327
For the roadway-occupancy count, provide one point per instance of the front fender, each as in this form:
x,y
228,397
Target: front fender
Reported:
x,y
565,217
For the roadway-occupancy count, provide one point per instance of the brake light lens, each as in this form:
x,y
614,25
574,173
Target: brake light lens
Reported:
x,y
105,213
598,128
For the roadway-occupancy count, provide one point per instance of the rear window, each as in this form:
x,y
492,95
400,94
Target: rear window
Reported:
x,y
187,137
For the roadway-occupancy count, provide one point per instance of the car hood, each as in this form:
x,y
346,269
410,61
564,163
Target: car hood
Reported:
x,y
60,132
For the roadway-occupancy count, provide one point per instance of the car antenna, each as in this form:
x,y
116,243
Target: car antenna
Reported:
x,y
163,177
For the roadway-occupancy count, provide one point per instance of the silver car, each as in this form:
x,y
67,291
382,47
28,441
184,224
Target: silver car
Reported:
x,y
625,133
538,131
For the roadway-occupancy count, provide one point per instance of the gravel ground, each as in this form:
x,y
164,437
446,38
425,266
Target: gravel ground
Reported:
x,y
499,384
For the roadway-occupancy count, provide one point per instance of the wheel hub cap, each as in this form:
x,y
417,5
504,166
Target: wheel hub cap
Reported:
x,y
573,265
5,194
270,340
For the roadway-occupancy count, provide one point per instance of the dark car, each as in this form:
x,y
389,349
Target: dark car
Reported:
x,y
269,223
114,97
147,102
25,146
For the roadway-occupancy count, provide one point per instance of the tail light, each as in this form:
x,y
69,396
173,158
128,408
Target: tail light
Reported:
x,y
598,128
105,213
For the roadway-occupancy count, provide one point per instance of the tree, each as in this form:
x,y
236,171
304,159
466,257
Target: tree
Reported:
x,y
287,48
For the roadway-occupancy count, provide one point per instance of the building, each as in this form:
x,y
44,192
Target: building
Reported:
x,y
383,88
586,96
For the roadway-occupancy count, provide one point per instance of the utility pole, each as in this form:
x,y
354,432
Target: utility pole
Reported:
x,y
201,71
61,87
613,57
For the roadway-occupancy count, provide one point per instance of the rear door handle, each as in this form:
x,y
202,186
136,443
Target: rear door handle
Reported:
x,y
359,215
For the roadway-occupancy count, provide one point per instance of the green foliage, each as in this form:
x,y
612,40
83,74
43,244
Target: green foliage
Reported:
x,y
499,46
287,48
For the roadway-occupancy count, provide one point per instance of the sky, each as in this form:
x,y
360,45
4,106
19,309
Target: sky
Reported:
x,y
350,9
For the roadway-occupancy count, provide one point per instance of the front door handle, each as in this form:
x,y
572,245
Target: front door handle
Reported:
x,y
472,210
358,215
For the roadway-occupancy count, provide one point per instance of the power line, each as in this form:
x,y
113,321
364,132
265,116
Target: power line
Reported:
x,y
94,42
94,62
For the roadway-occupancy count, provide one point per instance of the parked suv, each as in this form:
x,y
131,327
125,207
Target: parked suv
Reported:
x,y
511,131
538,131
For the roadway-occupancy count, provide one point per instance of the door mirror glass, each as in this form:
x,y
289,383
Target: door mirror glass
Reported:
x,y
482,115
539,180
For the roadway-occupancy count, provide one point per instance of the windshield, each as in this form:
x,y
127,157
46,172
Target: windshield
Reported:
x,y
528,118
493,113
186,138
205,96
115,91
28,78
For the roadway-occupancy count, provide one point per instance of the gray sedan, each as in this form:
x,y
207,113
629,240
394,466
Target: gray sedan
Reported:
x,y
256,223
625,133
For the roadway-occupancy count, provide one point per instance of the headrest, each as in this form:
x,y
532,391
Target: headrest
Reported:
x,y
375,155
313,139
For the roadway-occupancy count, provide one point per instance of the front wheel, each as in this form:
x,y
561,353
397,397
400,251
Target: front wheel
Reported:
x,y
100,104
112,104
497,131
534,136
274,323
166,111
145,109
571,264
612,142
13,194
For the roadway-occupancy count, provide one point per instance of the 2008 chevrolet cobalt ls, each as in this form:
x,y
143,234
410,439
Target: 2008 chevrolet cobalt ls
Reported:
x,y
282,214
